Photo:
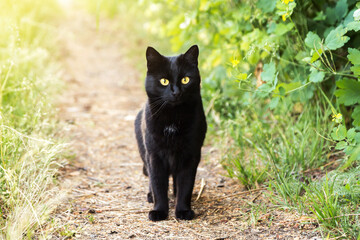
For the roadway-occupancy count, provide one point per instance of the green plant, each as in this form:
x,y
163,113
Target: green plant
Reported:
x,y
29,150
289,190
91,219
332,202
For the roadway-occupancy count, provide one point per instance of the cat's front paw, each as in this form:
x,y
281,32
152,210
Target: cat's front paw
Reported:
x,y
155,215
185,215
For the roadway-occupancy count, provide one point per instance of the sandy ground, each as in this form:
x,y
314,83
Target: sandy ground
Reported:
x,y
107,190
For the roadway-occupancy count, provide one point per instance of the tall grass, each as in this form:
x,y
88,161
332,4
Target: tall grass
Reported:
x,y
29,77
266,142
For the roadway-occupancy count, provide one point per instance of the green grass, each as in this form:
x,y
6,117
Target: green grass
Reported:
x,y
29,78
265,142
284,151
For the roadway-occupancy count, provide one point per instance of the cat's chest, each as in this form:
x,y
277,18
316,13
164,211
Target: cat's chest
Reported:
x,y
170,130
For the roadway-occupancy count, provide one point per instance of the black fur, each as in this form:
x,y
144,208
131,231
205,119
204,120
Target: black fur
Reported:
x,y
170,131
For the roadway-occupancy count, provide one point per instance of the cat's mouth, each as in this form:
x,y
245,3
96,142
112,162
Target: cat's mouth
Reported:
x,y
174,101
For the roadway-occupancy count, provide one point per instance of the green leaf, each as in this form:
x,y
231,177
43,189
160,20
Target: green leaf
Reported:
x,y
356,116
282,28
316,76
266,5
282,88
330,16
354,157
353,26
341,145
274,102
351,134
268,74
357,138
339,133
313,41
341,9
355,70
349,18
348,92
354,56
336,38
282,91
316,55
320,16
357,14
349,150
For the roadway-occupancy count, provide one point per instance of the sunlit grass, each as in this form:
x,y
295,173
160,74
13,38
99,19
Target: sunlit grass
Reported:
x,y
29,77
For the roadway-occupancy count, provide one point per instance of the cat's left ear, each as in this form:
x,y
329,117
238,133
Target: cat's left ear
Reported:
x,y
192,55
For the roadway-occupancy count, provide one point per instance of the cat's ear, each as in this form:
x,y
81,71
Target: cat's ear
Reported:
x,y
153,57
192,55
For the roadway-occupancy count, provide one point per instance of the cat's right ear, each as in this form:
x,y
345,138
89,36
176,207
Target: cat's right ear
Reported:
x,y
153,57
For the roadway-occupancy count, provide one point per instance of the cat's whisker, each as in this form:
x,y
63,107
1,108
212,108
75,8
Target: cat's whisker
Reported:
x,y
156,105
158,111
155,98
156,102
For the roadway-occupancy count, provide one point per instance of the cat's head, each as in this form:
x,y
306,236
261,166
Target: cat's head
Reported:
x,y
173,80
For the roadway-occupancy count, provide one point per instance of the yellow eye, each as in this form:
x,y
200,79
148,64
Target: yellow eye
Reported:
x,y
164,82
185,80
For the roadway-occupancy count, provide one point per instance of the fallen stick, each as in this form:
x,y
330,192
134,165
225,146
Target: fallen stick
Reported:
x,y
237,194
202,186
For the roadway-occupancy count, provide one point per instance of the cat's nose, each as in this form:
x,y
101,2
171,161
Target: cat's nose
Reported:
x,y
175,92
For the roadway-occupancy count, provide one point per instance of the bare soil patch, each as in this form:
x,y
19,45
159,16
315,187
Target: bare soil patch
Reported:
x,y
107,190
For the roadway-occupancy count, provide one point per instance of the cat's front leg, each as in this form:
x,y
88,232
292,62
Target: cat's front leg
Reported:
x,y
159,180
185,183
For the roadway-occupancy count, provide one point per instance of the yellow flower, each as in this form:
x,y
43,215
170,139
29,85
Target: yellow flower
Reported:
x,y
284,16
337,117
234,62
287,1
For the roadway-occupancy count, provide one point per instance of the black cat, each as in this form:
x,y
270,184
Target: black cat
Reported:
x,y
170,130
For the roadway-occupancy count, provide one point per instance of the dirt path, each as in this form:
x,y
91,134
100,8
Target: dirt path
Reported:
x,y
107,190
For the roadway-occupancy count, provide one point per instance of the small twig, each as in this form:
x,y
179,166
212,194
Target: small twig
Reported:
x,y
313,169
202,186
344,215
257,196
237,194
229,236
121,210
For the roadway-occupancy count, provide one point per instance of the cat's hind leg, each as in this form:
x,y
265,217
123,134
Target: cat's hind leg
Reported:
x,y
150,198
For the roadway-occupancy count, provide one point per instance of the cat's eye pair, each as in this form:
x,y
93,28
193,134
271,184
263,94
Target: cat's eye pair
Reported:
x,y
165,82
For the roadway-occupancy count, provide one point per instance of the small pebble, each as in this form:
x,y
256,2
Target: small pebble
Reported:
x,y
91,211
